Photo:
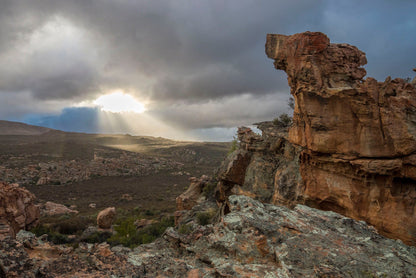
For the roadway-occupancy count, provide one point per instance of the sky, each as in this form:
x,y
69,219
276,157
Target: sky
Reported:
x,y
197,68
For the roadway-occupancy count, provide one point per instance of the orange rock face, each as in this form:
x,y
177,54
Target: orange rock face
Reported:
x,y
189,198
17,209
359,136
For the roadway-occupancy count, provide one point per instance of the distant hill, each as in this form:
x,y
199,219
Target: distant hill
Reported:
x,y
16,128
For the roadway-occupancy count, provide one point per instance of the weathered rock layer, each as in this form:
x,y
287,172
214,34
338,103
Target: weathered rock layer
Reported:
x,y
359,136
17,209
264,167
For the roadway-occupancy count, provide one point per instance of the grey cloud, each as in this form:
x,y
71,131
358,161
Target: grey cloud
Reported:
x,y
227,112
197,48
187,56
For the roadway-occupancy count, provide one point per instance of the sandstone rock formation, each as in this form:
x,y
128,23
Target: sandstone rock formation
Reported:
x,y
264,167
106,217
17,209
189,198
358,136
253,240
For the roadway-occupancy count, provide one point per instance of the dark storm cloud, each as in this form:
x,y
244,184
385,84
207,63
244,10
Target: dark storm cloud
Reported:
x,y
186,50
184,56
227,112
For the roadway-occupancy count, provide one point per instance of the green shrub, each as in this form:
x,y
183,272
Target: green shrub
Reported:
x,y
209,189
70,226
58,238
234,145
185,229
205,218
98,237
128,236
284,120
55,237
40,230
149,212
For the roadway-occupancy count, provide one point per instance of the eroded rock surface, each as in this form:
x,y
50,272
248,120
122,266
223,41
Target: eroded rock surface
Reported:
x,y
106,217
265,167
189,198
252,240
359,136
17,209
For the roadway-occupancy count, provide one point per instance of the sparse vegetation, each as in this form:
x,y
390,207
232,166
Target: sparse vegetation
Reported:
x,y
72,225
209,189
185,229
128,236
284,120
59,228
98,237
54,236
205,217
234,145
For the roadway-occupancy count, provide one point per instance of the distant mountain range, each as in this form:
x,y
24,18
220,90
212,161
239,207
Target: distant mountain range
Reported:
x,y
16,128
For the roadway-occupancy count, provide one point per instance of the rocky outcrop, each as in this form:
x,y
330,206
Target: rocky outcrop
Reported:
x,y
253,240
106,217
358,136
264,167
51,208
17,209
189,198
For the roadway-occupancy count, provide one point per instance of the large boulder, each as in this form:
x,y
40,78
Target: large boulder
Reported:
x,y
106,217
17,209
359,136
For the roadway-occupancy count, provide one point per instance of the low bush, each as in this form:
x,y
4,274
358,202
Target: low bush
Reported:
x,y
205,217
234,145
55,237
98,237
209,189
284,120
185,229
70,226
128,236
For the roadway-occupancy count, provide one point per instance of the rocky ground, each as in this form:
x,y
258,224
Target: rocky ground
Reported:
x,y
56,157
106,163
253,240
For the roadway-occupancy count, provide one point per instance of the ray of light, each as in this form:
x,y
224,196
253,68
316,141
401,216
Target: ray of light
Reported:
x,y
139,124
119,102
